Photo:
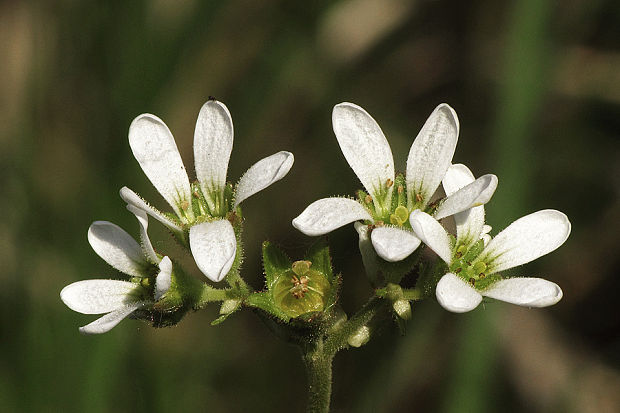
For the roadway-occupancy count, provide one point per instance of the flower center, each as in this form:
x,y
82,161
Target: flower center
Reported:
x,y
301,290
474,272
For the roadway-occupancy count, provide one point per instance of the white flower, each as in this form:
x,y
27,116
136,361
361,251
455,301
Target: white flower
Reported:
x,y
119,298
368,153
203,210
475,259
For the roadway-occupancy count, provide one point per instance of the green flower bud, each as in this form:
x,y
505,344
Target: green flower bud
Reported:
x,y
402,308
360,337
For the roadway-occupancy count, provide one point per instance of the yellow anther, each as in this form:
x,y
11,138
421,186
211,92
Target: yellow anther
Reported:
x,y
400,189
184,205
389,183
394,220
402,213
419,198
368,199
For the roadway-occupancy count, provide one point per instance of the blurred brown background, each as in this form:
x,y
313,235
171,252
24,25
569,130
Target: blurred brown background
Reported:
x,y
536,85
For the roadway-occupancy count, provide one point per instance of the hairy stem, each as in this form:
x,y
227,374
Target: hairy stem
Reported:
x,y
319,374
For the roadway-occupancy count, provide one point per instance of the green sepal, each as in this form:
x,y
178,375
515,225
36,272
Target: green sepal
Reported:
x,y
263,300
228,308
275,262
318,255
393,272
430,274
183,294
473,252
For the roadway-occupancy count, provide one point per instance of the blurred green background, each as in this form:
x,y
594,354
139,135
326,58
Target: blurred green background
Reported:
x,y
536,85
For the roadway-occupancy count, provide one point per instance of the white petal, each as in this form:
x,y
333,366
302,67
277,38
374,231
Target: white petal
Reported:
x,y
430,231
486,238
213,142
262,174
526,239
134,199
144,236
475,194
431,154
98,296
365,148
457,176
486,229
164,278
469,223
528,292
213,246
327,214
394,244
109,321
369,256
469,226
117,248
155,149
455,295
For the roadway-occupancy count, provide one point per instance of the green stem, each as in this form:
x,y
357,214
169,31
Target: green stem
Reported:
x,y
210,294
236,282
318,364
338,339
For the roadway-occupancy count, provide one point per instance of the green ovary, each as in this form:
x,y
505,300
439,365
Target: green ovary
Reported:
x,y
297,294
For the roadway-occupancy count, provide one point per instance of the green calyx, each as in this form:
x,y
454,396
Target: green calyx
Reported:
x,y
181,297
297,290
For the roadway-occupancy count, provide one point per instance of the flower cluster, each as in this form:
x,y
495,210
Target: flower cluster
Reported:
x,y
395,215
206,219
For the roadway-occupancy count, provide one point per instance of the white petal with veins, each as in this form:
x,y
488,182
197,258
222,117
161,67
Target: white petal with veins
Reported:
x,y
164,278
134,199
431,153
526,239
394,244
143,220
117,248
155,149
456,295
528,292
213,142
262,174
327,214
469,223
457,176
110,320
213,246
365,148
430,231
475,194
98,296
